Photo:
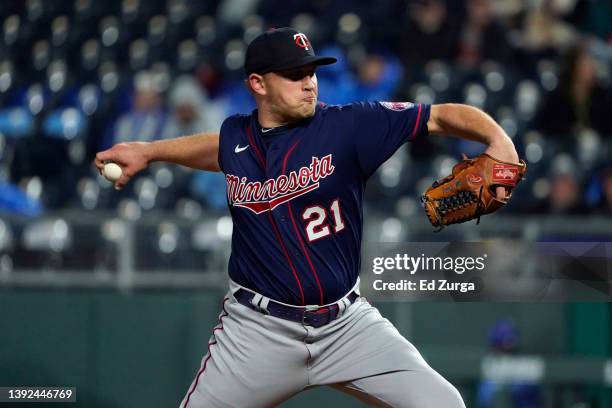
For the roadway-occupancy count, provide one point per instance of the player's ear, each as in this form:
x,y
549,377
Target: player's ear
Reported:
x,y
256,84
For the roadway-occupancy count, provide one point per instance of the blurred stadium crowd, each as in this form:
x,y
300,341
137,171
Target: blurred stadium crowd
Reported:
x,y
77,76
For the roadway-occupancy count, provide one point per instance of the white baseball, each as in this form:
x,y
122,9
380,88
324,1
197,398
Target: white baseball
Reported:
x,y
112,171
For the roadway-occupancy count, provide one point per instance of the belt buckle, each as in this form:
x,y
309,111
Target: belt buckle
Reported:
x,y
306,310
316,312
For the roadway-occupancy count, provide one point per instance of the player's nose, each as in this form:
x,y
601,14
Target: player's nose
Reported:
x,y
308,83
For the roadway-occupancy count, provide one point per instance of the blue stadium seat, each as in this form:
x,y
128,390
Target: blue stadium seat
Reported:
x,y
89,99
16,122
65,124
36,98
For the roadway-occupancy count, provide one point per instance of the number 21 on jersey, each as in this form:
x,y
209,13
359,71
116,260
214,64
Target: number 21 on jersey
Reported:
x,y
317,226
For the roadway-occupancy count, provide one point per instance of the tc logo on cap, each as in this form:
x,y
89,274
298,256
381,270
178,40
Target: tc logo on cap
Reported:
x,y
301,41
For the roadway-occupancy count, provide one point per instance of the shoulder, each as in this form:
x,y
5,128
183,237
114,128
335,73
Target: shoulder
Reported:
x,y
325,109
361,106
238,120
334,113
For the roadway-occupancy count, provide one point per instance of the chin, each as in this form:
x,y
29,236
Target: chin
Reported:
x,y
301,112
310,112
310,109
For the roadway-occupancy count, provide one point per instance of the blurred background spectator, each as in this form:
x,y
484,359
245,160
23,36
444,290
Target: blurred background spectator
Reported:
x,y
147,119
482,36
581,101
429,31
503,390
191,109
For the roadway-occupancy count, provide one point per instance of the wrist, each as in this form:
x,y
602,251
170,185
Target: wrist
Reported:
x,y
150,152
503,150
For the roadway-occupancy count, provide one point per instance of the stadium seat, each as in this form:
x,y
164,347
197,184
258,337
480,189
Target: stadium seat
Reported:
x,y
306,23
205,236
60,28
11,30
157,30
65,124
506,117
109,31
57,76
168,236
534,147
252,26
349,29
188,209
90,55
130,10
475,94
548,74
527,99
48,234
139,55
108,75
590,151
206,31
88,191
187,56
129,209
36,98
16,122
35,10
178,11
439,75
422,93
6,237
41,55
83,9
89,99
146,192
234,55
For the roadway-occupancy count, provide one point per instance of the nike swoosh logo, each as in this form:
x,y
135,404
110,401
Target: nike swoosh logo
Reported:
x,y
266,130
239,149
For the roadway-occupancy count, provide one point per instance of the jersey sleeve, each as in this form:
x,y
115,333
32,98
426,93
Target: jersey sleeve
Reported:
x,y
380,128
229,129
223,131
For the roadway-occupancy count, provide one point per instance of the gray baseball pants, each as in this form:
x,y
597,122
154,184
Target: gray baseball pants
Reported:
x,y
257,361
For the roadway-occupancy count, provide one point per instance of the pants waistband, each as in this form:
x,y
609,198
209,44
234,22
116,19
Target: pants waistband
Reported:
x,y
311,315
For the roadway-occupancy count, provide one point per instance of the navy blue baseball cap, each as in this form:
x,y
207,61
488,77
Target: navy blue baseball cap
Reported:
x,y
281,49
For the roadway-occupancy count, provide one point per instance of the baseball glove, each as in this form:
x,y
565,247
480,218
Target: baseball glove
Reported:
x,y
469,191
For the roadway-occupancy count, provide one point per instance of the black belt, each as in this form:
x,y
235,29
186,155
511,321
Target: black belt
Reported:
x,y
311,317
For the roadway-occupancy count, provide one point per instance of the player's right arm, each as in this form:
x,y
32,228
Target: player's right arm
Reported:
x,y
199,151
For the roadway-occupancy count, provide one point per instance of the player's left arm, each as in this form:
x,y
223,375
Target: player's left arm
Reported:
x,y
470,123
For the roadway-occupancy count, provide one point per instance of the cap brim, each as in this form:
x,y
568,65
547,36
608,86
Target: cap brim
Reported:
x,y
307,61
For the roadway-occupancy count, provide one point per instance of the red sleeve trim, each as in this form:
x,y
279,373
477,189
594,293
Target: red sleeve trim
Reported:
x,y
416,125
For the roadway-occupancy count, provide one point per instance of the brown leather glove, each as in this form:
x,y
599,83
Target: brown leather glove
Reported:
x,y
469,191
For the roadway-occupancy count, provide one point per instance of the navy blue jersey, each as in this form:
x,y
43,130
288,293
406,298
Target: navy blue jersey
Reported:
x,y
295,195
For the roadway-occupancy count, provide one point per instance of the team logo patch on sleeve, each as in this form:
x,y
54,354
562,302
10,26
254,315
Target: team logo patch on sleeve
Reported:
x,y
397,106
